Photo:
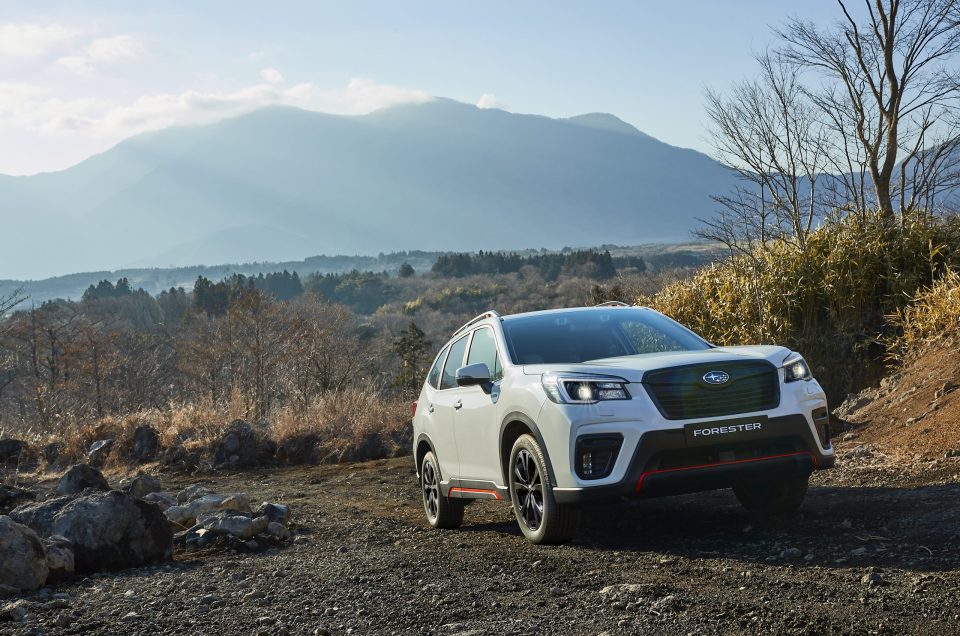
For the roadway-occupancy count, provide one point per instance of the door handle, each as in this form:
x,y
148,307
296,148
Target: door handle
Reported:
x,y
430,409
458,405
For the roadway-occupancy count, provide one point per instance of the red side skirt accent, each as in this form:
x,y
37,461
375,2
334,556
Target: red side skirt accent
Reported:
x,y
730,463
481,491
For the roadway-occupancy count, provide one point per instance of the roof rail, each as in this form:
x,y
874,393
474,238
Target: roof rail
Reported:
x,y
612,303
483,316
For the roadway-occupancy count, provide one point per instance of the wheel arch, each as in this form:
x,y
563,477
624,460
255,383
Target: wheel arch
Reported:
x,y
512,427
424,445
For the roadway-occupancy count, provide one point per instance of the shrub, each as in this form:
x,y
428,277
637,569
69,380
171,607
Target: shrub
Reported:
x,y
932,317
829,300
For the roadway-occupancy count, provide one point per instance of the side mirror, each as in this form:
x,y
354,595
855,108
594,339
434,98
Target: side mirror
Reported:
x,y
473,374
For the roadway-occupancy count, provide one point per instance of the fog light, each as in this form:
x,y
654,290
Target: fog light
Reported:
x,y
587,464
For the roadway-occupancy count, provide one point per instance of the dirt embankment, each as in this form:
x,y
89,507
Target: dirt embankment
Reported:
x,y
915,413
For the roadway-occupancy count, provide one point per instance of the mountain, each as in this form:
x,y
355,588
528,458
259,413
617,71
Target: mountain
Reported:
x,y
283,183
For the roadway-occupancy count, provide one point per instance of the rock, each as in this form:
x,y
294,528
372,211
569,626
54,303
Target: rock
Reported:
x,y
16,611
186,515
858,551
854,403
13,496
239,446
39,516
190,493
278,530
60,562
872,579
12,451
80,477
146,443
24,562
791,553
51,452
98,452
276,513
240,526
163,500
141,485
63,620
109,530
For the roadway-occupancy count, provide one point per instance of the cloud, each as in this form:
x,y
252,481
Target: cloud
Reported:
x,y
105,50
24,40
272,76
115,48
36,108
489,100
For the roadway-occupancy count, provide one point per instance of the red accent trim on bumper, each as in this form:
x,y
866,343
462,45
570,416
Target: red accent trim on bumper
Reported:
x,y
809,454
495,494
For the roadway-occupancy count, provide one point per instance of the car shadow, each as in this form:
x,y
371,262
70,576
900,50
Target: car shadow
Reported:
x,y
907,528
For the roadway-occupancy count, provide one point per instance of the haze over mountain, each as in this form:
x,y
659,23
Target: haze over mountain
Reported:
x,y
283,183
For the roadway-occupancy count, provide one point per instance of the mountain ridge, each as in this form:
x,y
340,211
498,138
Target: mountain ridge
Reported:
x,y
408,177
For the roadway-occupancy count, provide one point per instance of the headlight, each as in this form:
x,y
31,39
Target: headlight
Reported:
x,y
583,389
795,368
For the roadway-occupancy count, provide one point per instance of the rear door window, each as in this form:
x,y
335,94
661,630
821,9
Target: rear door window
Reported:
x,y
433,379
448,379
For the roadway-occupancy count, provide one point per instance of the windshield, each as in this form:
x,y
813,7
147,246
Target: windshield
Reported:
x,y
590,334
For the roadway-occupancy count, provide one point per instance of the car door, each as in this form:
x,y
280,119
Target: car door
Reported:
x,y
440,411
476,422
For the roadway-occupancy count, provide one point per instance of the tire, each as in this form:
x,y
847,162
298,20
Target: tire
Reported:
x,y
541,518
442,512
772,497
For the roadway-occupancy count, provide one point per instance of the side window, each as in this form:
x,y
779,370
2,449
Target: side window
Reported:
x,y
433,379
448,379
484,349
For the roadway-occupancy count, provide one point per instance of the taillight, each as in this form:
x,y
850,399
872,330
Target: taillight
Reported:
x,y
413,408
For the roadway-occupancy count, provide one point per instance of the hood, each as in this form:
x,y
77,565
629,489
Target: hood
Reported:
x,y
632,368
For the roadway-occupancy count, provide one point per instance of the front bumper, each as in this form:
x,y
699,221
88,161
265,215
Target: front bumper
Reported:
x,y
664,463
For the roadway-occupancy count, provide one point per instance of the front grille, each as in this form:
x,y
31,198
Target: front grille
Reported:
x,y
680,393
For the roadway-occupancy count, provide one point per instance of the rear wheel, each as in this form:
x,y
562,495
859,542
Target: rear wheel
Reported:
x,y
774,496
442,512
541,518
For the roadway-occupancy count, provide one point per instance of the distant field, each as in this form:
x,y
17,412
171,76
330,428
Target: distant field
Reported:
x,y
154,280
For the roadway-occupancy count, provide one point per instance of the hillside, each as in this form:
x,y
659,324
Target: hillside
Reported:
x,y
282,184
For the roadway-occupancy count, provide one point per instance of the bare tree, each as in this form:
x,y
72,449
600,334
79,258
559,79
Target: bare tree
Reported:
x,y
886,80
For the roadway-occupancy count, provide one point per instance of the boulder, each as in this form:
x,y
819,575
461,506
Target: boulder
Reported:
x,y
80,477
163,500
278,530
186,515
39,516
276,513
51,452
141,485
98,452
24,562
226,522
190,493
60,562
113,530
146,443
13,496
238,446
11,451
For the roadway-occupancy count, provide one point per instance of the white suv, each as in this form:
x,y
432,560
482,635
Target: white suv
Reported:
x,y
553,409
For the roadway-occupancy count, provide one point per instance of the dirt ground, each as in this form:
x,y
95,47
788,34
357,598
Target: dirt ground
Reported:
x,y
875,550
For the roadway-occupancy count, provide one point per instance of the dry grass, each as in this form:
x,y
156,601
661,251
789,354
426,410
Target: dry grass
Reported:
x,y
932,317
357,423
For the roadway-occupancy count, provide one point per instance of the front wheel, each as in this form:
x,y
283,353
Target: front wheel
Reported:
x,y
442,512
541,518
774,496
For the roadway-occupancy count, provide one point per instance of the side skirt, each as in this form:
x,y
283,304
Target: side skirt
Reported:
x,y
471,489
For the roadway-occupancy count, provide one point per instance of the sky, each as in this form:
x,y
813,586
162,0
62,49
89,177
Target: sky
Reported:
x,y
78,77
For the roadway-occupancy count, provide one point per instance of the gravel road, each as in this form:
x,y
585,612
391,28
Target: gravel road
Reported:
x,y
876,549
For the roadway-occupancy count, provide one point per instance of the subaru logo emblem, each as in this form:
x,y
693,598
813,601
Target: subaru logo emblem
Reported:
x,y
716,377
